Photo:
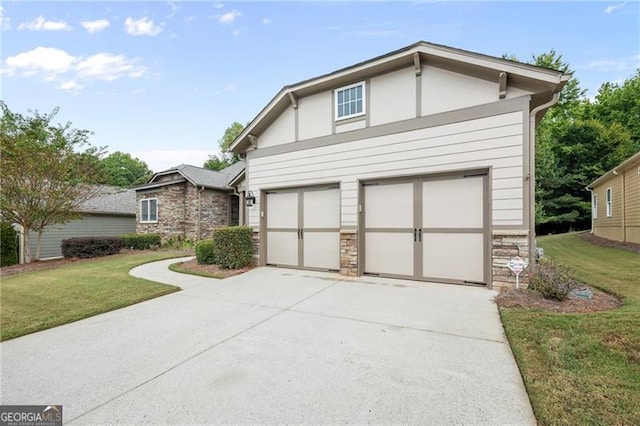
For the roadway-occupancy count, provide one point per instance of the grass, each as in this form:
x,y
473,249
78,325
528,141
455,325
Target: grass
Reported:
x,y
34,301
177,267
583,368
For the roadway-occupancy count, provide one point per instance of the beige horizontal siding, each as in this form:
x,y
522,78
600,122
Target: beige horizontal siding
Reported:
x,y
632,196
494,142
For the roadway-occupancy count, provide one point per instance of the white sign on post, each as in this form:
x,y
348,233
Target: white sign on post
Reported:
x,y
517,265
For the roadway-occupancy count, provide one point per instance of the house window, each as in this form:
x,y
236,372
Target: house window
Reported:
x,y
609,202
149,210
594,206
350,101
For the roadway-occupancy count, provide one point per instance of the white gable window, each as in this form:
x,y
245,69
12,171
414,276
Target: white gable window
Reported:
x,y
149,210
350,101
594,206
609,202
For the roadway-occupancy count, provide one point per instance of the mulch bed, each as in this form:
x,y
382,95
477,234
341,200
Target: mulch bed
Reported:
x,y
603,242
529,299
194,266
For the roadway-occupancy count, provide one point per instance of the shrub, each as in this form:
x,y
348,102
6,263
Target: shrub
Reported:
x,y
204,252
88,247
141,241
233,247
8,244
553,281
179,243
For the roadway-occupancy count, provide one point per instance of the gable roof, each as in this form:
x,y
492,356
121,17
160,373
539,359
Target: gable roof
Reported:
x,y
111,200
198,176
543,81
626,164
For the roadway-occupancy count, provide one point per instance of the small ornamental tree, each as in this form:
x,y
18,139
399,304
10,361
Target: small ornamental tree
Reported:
x,y
47,172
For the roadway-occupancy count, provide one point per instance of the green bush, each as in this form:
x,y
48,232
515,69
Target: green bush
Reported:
x,y
204,252
233,247
8,244
141,241
88,247
553,281
179,243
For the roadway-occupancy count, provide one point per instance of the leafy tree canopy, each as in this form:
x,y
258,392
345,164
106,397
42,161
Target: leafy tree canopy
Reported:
x,y
121,169
46,169
226,158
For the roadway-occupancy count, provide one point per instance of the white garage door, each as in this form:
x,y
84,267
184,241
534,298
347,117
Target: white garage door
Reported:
x,y
431,229
303,228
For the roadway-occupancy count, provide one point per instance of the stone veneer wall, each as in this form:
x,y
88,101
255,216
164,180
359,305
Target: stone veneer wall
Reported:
x,y
256,247
349,253
505,245
178,209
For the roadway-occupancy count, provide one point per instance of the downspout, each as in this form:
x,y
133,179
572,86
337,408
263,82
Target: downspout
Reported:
x,y
593,219
532,176
240,206
198,231
624,207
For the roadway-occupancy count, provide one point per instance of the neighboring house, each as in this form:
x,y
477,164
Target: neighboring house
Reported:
x,y
416,164
111,213
188,202
615,202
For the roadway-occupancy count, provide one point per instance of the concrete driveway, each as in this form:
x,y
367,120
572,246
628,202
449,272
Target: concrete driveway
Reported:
x,y
277,346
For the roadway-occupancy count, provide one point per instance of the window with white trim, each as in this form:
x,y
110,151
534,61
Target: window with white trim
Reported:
x,y
609,202
594,206
149,210
350,101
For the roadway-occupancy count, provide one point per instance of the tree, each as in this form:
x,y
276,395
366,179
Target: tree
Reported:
x,y
120,169
47,171
226,158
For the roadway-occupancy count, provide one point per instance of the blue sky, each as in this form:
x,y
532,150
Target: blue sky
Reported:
x,y
162,80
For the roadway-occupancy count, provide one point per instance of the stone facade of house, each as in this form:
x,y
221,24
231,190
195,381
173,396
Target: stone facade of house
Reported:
x,y
178,205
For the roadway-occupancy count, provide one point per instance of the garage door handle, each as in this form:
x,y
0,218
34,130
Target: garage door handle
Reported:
x,y
415,235
420,235
301,233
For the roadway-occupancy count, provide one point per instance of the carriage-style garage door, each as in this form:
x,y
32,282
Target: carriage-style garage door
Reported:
x,y
427,228
303,228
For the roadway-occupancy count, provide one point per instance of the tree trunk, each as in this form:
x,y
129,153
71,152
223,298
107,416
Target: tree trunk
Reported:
x,y
27,245
38,244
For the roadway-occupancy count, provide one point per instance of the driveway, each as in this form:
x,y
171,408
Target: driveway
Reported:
x,y
277,346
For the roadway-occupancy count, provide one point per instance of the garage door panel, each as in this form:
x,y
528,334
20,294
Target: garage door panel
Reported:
x,y
322,250
453,203
321,209
282,248
389,253
453,256
389,205
282,210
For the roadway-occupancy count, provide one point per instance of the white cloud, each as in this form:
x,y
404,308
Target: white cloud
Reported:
x,y
47,61
189,18
55,65
71,86
267,21
619,65
5,22
236,32
96,26
611,8
41,24
108,67
229,17
142,26
218,5
174,8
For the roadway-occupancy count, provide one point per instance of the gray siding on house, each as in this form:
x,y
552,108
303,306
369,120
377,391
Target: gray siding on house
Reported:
x,y
87,226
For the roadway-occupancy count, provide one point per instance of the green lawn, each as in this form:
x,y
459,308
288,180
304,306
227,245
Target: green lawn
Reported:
x,y
38,300
583,368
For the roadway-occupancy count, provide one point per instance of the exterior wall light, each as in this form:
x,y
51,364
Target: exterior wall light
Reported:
x,y
250,199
